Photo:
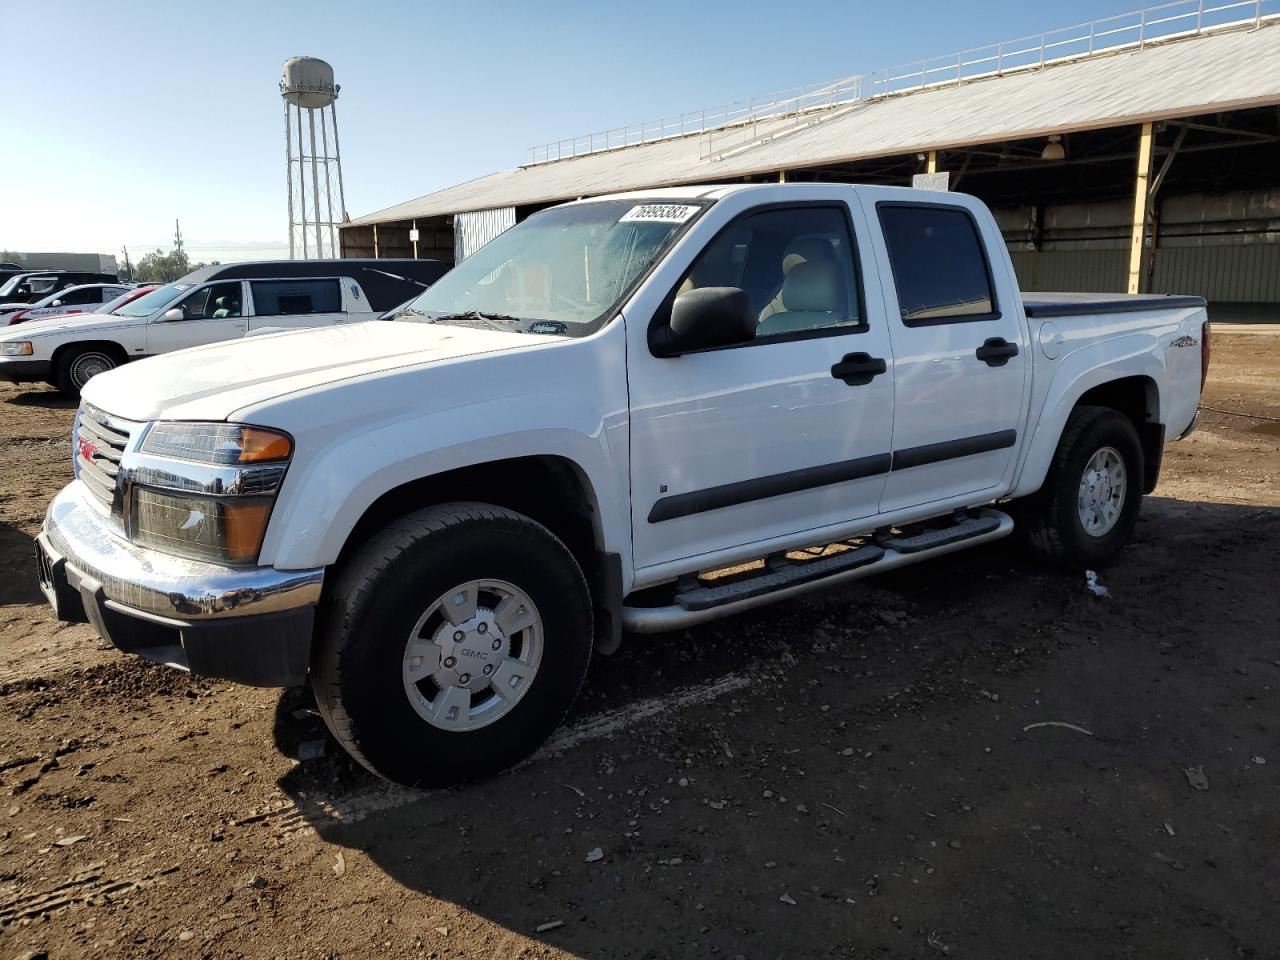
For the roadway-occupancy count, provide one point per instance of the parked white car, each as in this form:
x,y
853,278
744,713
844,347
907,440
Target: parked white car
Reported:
x,y
627,412
84,298
207,306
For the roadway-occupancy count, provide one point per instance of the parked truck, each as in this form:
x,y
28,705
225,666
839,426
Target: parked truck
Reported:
x,y
633,413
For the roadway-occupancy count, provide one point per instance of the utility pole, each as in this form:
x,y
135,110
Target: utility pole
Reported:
x,y
128,267
177,236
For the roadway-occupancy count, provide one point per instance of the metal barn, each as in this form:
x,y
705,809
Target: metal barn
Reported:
x,y
1139,152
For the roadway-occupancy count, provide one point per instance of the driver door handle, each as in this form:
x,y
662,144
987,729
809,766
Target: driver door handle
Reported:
x,y
996,351
856,369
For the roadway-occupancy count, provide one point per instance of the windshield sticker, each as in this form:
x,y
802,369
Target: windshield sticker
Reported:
x,y
658,213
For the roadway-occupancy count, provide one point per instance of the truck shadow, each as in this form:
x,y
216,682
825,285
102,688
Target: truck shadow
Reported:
x,y
688,865
18,582
47,398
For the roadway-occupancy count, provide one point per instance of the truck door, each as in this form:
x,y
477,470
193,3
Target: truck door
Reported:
x,y
958,346
210,314
782,434
297,303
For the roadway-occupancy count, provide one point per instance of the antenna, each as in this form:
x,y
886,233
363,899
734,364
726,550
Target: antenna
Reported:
x,y
177,236
307,85
128,267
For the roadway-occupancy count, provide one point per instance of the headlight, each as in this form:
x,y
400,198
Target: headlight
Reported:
x,y
223,444
16,348
210,496
222,530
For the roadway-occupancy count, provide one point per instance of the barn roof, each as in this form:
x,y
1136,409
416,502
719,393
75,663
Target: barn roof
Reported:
x,y
1181,76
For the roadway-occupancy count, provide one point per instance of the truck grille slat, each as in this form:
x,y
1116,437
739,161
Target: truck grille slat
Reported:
x,y
103,435
100,443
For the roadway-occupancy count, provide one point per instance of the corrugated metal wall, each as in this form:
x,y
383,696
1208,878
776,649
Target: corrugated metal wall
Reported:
x,y
1240,272
1076,271
1223,247
471,231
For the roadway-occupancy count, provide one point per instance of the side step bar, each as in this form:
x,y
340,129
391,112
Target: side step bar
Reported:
x,y
702,604
782,574
966,529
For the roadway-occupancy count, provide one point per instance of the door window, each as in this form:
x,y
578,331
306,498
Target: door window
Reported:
x,y
216,301
279,298
796,265
939,265
75,297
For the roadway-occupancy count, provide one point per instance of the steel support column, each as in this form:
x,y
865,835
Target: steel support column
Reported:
x,y
1141,191
932,163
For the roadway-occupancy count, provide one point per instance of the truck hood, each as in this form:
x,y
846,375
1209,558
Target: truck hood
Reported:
x,y
212,382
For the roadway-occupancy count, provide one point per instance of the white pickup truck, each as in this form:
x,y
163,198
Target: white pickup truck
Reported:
x,y
638,413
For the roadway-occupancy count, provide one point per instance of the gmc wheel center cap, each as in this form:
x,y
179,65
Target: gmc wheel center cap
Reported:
x,y
470,652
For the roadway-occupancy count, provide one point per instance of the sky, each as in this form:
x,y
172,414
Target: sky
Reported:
x,y
132,114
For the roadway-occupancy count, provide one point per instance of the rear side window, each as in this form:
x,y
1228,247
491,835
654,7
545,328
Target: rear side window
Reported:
x,y
279,298
90,295
939,266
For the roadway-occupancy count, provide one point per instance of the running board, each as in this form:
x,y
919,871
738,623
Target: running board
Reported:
x,y
785,579
966,529
779,575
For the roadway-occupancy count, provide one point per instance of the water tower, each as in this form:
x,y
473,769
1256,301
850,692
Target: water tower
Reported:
x,y
313,172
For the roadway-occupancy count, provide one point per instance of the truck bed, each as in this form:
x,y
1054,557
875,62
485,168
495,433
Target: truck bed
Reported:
x,y
1080,304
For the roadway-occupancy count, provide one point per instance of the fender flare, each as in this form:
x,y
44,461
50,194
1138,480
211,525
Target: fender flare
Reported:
x,y
1079,373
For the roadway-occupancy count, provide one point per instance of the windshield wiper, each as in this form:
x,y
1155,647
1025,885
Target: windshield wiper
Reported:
x,y
496,320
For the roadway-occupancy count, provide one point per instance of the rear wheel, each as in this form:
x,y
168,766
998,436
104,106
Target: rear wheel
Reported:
x,y
1087,508
452,644
78,365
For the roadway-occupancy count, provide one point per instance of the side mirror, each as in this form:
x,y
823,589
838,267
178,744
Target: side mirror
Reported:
x,y
174,313
708,317
56,303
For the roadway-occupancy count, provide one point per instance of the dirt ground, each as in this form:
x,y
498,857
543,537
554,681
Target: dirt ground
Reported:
x,y
862,773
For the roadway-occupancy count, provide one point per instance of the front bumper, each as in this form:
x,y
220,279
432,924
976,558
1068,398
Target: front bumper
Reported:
x,y
252,625
19,370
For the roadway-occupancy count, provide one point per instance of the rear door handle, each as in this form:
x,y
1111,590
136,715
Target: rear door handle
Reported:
x,y
996,351
856,369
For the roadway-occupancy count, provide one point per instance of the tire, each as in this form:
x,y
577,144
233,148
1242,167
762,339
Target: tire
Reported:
x,y
1073,521
387,604
78,365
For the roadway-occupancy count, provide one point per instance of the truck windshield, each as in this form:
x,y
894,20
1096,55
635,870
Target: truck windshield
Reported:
x,y
563,271
149,303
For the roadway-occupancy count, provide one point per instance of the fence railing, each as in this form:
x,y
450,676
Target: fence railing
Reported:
x,y
734,125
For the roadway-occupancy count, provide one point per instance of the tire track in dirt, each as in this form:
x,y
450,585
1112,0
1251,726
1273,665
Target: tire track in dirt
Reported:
x,y
82,888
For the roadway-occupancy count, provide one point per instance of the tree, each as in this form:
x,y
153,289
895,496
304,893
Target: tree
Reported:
x,y
161,267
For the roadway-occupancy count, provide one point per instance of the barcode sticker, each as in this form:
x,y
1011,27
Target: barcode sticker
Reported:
x,y
659,213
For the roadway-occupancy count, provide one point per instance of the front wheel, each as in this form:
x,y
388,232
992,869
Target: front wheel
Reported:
x,y
78,365
452,644
1087,508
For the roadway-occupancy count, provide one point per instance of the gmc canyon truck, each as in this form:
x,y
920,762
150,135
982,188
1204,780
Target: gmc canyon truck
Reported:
x,y
632,413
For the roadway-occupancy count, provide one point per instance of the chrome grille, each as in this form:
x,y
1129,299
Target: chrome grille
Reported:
x,y
100,444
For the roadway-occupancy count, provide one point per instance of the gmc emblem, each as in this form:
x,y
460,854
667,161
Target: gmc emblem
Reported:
x,y
86,448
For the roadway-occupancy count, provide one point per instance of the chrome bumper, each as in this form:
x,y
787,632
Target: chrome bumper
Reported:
x,y
158,584
251,625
